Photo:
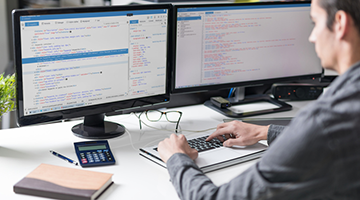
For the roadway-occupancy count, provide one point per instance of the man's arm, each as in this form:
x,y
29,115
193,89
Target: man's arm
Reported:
x,y
191,183
273,132
296,166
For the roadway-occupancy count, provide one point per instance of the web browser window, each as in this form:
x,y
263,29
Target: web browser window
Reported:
x,y
75,60
228,44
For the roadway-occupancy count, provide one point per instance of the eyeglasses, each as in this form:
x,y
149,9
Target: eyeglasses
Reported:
x,y
155,115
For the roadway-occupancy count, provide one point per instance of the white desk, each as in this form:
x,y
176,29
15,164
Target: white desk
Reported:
x,y
23,149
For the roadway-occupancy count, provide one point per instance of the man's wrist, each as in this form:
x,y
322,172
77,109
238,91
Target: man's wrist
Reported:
x,y
263,135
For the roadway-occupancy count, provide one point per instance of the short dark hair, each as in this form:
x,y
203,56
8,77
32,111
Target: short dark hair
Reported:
x,y
352,7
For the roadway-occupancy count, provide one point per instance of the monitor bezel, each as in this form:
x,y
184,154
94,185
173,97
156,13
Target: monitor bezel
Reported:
x,y
117,106
205,88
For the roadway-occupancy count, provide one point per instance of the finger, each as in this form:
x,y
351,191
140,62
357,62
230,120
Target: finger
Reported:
x,y
181,137
231,142
215,134
160,144
193,154
220,132
173,136
221,138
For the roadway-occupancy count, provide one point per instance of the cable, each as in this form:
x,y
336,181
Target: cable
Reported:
x,y
230,92
131,142
158,140
172,130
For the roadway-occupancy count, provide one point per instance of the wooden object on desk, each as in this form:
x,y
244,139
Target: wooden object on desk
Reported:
x,y
64,183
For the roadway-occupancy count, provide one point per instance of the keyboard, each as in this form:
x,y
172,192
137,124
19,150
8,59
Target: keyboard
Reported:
x,y
201,145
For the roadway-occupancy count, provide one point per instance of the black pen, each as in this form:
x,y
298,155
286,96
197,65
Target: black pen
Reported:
x,y
63,157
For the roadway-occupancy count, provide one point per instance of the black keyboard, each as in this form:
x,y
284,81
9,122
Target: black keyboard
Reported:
x,y
201,145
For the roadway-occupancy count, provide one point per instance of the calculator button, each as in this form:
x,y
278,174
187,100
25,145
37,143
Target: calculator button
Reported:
x,y
90,158
84,161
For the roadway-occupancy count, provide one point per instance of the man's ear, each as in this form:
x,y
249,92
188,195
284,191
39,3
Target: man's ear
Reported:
x,y
341,24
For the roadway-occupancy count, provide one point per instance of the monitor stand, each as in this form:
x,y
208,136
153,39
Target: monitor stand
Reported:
x,y
94,127
262,104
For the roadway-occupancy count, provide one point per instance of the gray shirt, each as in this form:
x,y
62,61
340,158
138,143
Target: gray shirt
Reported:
x,y
317,156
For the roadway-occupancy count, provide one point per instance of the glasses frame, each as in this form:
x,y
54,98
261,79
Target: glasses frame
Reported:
x,y
162,113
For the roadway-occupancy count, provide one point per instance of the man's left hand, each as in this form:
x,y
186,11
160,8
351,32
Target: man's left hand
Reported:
x,y
175,144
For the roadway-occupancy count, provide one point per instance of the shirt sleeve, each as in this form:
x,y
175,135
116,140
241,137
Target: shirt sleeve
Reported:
x,y
273,132
191,183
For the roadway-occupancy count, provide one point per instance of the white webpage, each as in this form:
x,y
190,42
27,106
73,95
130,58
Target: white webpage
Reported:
x,y
243,43
74,60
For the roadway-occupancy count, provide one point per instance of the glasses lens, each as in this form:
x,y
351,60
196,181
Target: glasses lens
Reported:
x,y
173,116
153,115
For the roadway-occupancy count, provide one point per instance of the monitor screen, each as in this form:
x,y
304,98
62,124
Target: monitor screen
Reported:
x,y
231,45
75,62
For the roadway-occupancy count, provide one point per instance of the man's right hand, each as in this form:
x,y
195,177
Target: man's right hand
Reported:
x,y
239,133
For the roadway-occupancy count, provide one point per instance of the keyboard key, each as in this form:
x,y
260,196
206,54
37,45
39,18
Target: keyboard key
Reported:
x,y
201,145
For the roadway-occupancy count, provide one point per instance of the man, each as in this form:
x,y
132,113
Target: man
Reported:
x,y
318,155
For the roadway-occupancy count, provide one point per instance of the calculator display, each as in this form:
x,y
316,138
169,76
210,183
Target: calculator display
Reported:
x,y
93,147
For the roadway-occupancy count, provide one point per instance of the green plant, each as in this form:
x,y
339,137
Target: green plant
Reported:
x,y
7,93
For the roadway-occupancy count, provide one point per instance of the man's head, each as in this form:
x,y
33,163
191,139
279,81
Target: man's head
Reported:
x,y
352,7
336,32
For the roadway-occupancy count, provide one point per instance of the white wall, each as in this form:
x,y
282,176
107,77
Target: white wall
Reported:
x,y
4,51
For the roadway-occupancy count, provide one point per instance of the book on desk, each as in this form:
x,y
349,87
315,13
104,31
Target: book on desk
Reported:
x,y
64,183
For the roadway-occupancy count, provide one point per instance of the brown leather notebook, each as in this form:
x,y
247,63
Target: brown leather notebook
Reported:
x,y
64,183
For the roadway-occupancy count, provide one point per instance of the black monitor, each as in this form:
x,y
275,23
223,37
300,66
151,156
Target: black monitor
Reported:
x,y
75,62
220,46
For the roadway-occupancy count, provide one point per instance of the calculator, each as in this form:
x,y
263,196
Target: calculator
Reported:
x,y
94,153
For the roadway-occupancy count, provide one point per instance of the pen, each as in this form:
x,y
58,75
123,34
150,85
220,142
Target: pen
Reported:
x,y
63,157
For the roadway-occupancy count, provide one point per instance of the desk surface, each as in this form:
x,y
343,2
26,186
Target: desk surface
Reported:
x,y
23,149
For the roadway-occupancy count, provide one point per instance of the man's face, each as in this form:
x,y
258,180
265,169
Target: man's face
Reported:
x,y
322,37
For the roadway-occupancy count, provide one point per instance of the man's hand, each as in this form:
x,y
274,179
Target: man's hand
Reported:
x,y
239,133
175,144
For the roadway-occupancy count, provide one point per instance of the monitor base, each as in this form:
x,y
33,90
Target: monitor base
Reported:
x,y
229,112
94,127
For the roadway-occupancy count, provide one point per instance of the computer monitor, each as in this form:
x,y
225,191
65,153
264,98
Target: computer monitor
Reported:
x,y
75,62
221,46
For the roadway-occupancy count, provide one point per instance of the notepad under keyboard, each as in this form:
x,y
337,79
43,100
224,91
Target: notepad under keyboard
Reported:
x,y
201,145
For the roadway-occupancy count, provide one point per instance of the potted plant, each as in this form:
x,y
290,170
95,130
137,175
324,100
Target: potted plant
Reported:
x,y
7,93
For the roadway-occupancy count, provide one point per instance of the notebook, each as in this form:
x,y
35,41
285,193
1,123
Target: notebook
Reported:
x,y
215,158
64,183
